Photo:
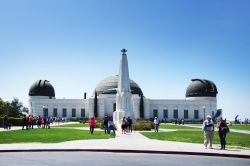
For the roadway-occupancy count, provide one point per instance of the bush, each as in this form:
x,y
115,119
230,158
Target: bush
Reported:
x,y
144,125
13,121
99,124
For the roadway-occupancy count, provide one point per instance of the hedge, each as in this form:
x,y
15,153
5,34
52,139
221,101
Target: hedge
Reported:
x,y
145,125
13,121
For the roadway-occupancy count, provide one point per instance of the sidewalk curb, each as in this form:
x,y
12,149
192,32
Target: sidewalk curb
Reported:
x,y
130,151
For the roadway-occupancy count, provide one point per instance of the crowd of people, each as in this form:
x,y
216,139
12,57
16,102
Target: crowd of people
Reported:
x,y
109,126
42,122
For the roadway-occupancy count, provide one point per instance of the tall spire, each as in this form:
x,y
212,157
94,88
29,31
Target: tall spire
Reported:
x,y
124,81
123,95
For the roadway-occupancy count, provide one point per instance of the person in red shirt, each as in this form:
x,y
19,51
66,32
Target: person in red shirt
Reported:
x,y
30,121
91,124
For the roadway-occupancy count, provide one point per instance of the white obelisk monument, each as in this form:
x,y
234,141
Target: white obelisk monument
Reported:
x,y
123,95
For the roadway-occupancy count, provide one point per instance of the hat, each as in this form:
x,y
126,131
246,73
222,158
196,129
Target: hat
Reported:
x,y
208,116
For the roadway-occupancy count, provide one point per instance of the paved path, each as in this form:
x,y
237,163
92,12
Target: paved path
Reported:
x,y
114,159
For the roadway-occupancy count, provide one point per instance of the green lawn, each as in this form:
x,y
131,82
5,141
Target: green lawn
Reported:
x,y
53,135
240,127
170,126
74,125
233,139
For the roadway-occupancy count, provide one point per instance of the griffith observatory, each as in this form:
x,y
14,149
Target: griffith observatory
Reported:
x,y
119,96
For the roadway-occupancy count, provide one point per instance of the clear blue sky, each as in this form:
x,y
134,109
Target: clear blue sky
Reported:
x,y
76,43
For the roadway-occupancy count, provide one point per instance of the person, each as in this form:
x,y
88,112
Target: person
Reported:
x,y
208,129
30,121
43,122
123,125
39,122
106,125
156,124
130,122
6,123
91,125
48,120
25,122
111,125
223,129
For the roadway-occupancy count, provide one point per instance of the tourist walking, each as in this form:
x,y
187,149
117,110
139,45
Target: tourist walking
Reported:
x,y
156,124
123,125
43,122
223,129
91,125
38,121
25,122
30,121
130,122
111,125
6,123
48,121
106,125
208,129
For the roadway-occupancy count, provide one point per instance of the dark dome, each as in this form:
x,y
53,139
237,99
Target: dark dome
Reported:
x,y
42,88
109,85
201,88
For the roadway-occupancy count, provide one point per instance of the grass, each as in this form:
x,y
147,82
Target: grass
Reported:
x,y
169,126
53,135
233,139
234,126
240,127
74,125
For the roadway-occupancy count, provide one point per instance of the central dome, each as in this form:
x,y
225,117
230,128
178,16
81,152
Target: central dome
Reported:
x,y
109,85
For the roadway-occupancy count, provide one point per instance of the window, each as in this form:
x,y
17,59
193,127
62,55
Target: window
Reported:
x,y
196,114
114,107
73,112
45,112
155,113
83,112
175,114
64,112
165,114
55,112
185,114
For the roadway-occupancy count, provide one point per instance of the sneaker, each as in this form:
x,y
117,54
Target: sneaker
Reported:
x,y
205,147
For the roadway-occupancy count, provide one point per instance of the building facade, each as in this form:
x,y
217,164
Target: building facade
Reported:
x,y
200,101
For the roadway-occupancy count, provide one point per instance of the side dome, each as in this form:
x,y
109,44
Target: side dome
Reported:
x,y
201,88
110,84
42,88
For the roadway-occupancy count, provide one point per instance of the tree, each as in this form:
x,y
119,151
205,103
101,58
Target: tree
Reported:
x,y
10,109
25,109
141,107
95,105
16,107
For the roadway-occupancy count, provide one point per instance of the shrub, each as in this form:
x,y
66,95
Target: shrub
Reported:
x,y
14,121
142,124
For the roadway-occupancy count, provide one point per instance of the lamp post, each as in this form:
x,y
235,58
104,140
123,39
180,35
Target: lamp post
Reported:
x,y
204,108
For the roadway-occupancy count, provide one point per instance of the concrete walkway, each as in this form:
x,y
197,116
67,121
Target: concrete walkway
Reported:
x,y
129,141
